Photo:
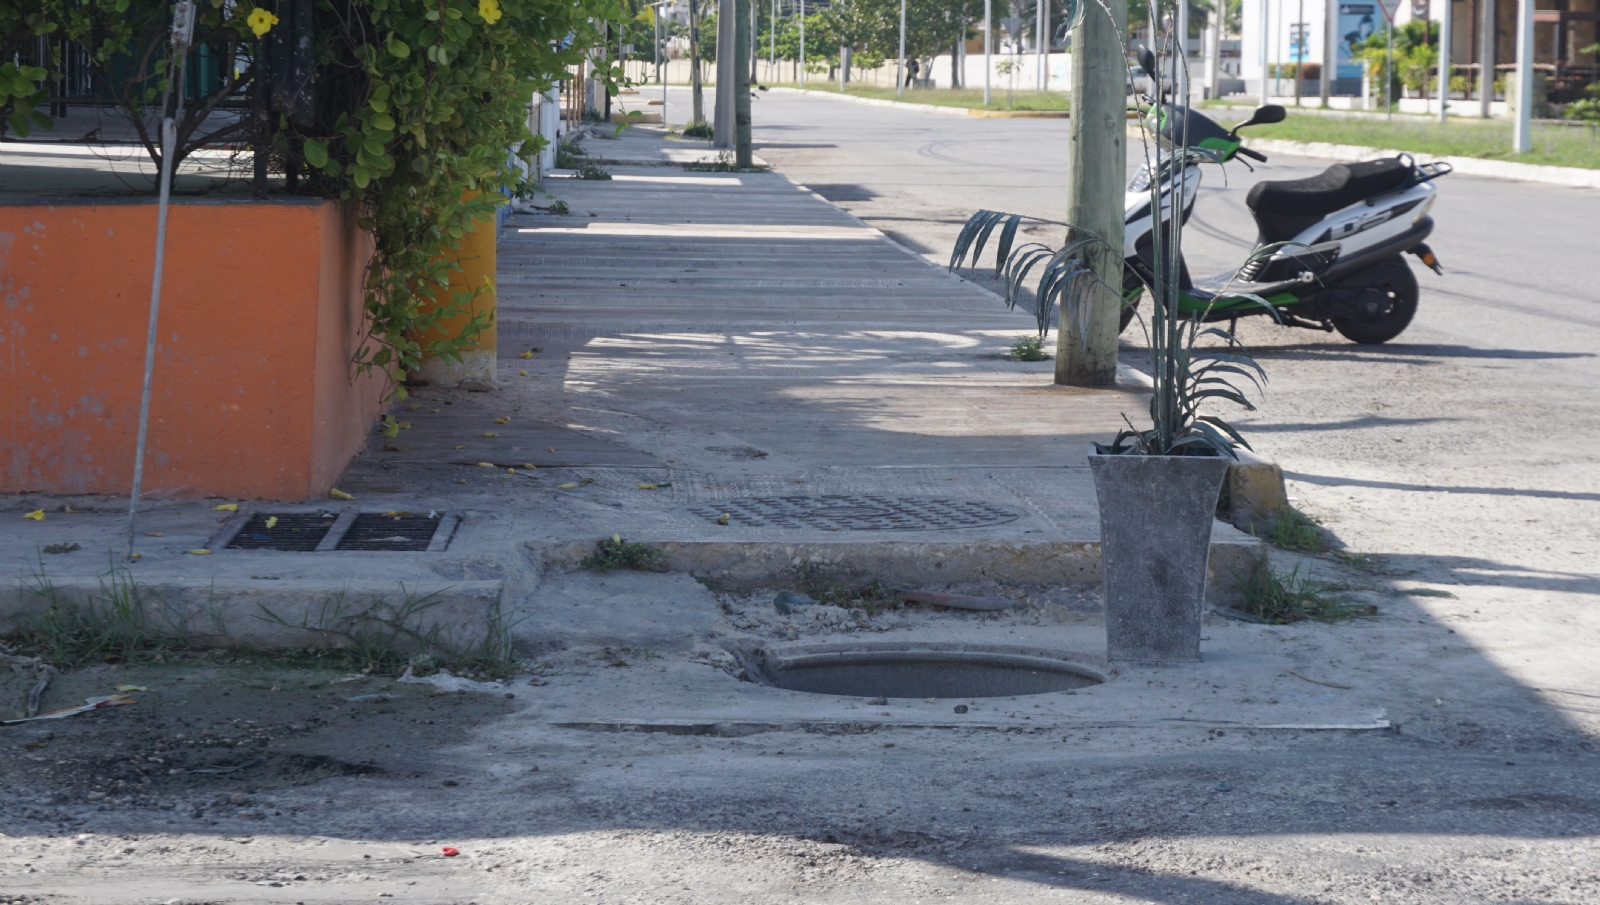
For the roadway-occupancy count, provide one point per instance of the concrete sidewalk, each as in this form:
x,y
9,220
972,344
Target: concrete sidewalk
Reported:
x,y
701,345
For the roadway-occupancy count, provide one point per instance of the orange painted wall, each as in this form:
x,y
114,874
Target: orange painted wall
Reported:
x,y
253,395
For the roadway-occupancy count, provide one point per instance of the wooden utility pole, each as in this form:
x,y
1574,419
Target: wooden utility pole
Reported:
x,y
741,84
1096,171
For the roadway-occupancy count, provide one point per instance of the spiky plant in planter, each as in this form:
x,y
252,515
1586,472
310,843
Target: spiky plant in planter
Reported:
x,y
1157,486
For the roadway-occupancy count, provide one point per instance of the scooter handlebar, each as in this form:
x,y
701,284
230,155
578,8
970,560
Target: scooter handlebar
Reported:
x,y
1253,155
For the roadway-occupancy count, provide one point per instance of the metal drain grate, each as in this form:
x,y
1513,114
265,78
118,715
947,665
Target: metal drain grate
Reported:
x,y
855,513
400,533
292,531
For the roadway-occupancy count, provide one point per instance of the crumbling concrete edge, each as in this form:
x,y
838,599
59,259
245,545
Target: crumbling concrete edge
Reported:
x,y
743,566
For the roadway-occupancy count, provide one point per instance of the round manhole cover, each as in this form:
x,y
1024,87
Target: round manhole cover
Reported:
x,y
855,513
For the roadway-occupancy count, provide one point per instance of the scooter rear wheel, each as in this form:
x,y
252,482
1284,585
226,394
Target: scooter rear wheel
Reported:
x,y
1394,279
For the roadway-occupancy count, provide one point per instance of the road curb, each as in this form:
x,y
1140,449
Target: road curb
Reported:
x,y
875,102
1571,177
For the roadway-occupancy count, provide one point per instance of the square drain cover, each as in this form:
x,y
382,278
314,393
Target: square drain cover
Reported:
x,y
400,533
297,532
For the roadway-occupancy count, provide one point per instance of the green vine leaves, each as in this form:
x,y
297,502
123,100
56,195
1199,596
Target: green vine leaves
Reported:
x,y
431,148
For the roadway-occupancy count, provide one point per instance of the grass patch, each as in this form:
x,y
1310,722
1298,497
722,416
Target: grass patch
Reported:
x,y
967,98
700,130
592,171
1029,348
1291,529
614,553
1553,145
1281,598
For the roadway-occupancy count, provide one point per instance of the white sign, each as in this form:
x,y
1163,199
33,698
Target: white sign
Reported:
x,y
1390,7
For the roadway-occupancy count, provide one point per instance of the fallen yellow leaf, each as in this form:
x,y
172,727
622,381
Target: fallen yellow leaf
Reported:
x,y
199,552
723,518
338,494
462,481
272,522
226,507
406,425
458,447
37,515
526,355
488,434
529,465
485,464
511,470
152,534
646,486
567,486
414,406
522,373
130,688
503,419
136,556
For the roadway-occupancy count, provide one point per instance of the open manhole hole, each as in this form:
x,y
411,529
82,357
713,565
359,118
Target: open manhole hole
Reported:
x,y
855,512
291,531
939,670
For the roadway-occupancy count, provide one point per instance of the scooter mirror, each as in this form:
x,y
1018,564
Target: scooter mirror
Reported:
x,y
1147,60
1265,115
1268,114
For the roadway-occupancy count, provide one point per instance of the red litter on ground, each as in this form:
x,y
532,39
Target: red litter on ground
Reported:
x,y
449,852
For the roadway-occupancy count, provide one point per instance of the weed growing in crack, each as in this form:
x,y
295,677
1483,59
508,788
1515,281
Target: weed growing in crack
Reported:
x,y
1281,598
872,597
1291,529
122,621
382,634
615,553
593,172
1029,348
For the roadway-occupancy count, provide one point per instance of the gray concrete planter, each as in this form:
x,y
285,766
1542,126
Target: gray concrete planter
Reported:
x,y
1155,537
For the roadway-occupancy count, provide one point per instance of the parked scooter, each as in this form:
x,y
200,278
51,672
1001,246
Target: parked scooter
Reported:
x,y
1340,236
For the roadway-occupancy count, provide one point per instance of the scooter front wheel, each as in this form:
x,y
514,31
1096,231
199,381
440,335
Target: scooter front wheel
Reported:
x,y
1389,316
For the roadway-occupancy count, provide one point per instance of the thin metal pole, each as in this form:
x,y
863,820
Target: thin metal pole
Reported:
x,y
988,46
802,43
1522,124
177,60
1388,75
1041,48
1445,21
900,71
772,41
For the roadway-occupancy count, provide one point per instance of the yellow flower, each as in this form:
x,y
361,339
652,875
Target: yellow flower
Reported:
x,y
489,10
261,21
37,515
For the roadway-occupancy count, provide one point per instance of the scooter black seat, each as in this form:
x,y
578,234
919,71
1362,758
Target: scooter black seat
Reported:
x,y
1284,208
